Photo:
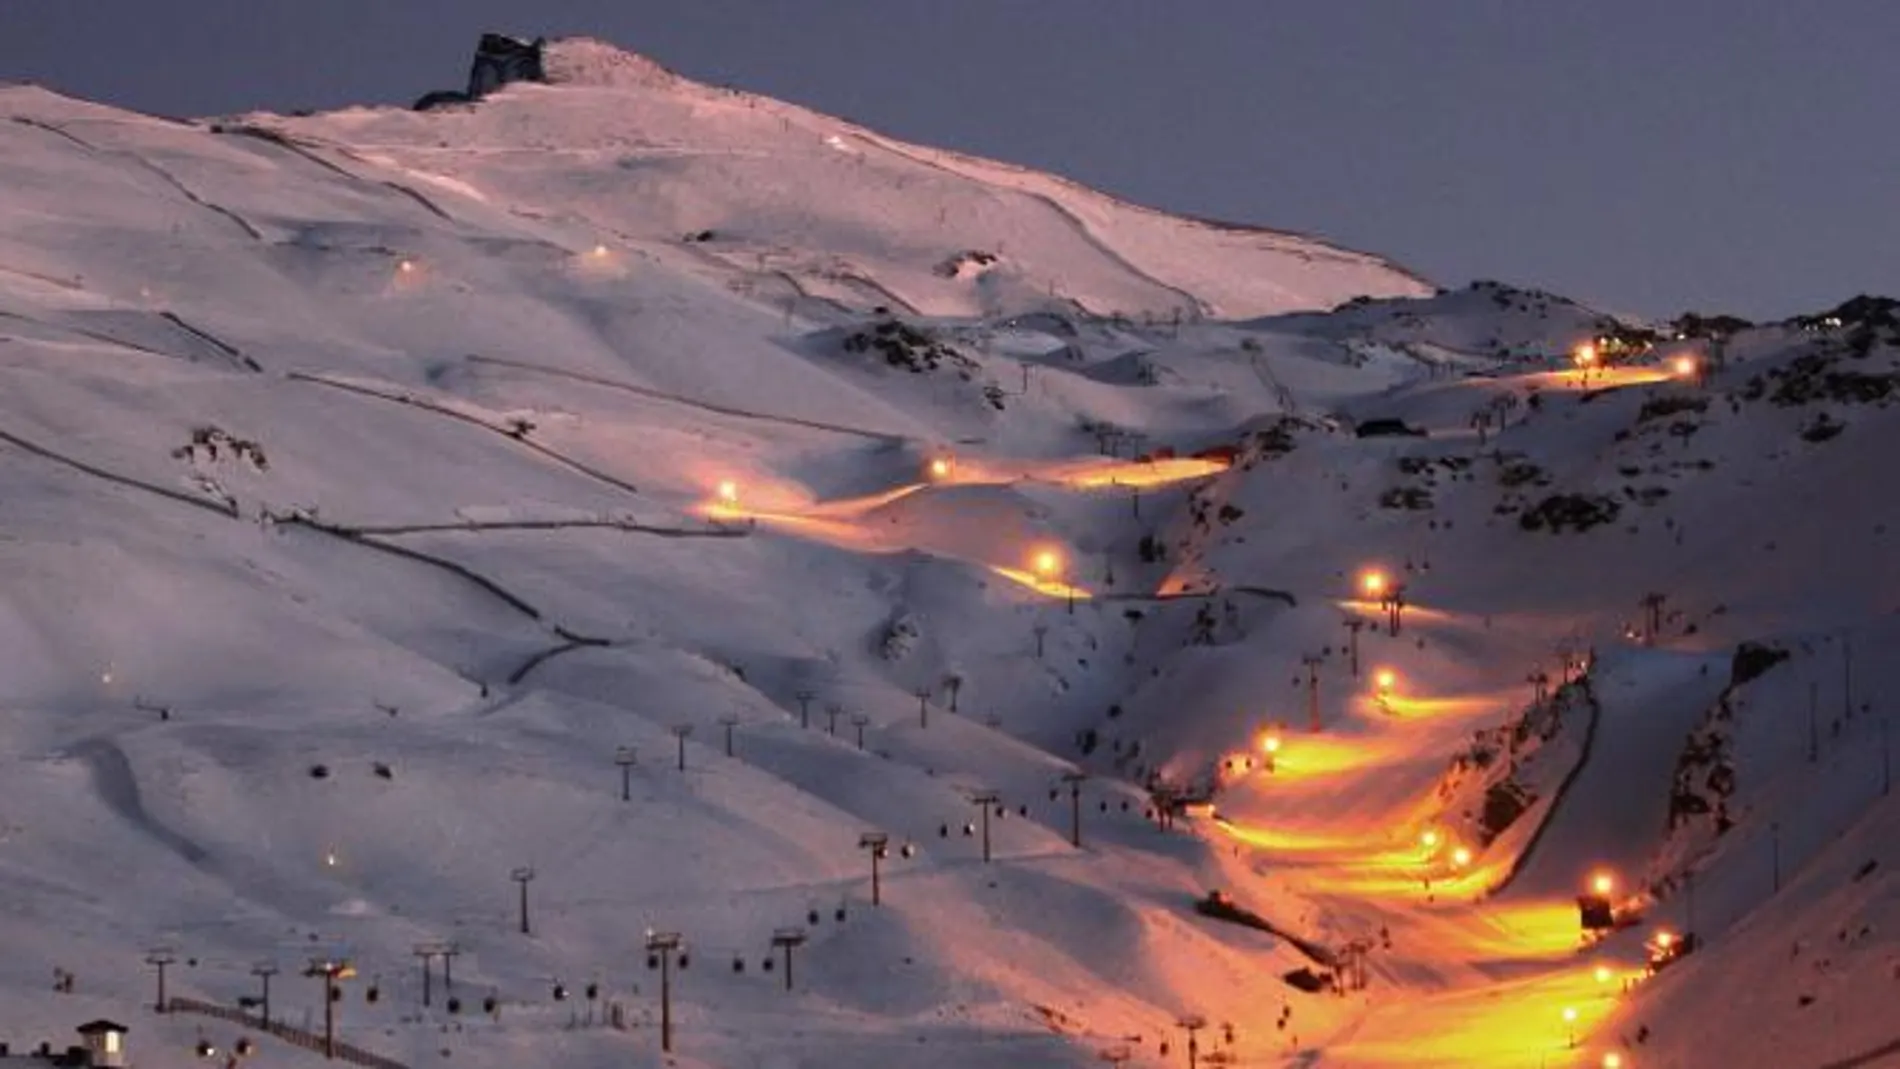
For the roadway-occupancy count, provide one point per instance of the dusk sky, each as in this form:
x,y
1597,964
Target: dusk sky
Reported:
x,y
1721,155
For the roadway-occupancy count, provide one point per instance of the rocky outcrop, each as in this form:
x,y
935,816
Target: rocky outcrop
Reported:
x,y
499,60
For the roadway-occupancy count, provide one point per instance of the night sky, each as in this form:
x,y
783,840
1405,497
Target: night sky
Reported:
x,y
1720,155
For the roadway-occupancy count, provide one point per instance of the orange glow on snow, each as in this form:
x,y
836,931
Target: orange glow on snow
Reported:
x,y
1135,474
1054,588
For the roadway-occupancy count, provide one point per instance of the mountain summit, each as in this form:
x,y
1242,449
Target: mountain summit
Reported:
x,y
787,201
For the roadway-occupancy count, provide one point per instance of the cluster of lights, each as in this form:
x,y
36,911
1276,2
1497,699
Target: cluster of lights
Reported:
x,y
728,492
941,467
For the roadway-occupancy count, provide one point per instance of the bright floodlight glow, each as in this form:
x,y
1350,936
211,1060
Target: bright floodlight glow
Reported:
x,y
1603,883
600,250
1384,679
1430,839
406,266
1570,1014
1271,743
1683,366
1373,583
728,491
1602,973
1461,857
1585,354
1047,562
1613,1060
940,468
1665,938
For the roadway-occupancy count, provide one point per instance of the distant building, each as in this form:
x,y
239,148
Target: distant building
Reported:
x,y
102,1047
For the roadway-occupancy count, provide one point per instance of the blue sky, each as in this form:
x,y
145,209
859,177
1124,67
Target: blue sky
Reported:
x,y
1721,155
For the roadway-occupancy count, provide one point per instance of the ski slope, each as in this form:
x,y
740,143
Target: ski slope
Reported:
x,y
370,480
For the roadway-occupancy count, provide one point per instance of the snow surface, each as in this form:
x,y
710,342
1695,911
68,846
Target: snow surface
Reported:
x,y
423,448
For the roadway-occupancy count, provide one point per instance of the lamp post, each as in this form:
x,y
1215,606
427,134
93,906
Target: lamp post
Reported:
x,y
858,720
1383,681
1049,566
804,707
922,694
626,757
729,722
1354,625
983,800
331,970
878,843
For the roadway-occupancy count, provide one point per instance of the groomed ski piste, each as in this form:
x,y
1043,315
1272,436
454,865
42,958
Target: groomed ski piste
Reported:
x,y
379,488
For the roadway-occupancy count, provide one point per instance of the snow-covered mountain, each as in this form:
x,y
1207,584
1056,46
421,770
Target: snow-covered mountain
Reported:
x,y
379,488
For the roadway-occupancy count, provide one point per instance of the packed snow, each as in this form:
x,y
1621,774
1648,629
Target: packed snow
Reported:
x,y
379,488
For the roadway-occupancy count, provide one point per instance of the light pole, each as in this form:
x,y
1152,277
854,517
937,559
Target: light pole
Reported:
x,y
680,731
1355,625
449,950
831,718
804,707
523,876
1540,686
983,800
878,843
923,706
626,757
661,946
264,970
331,970
729,722
161,958
858,720
788,939
1042,632
1074,779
